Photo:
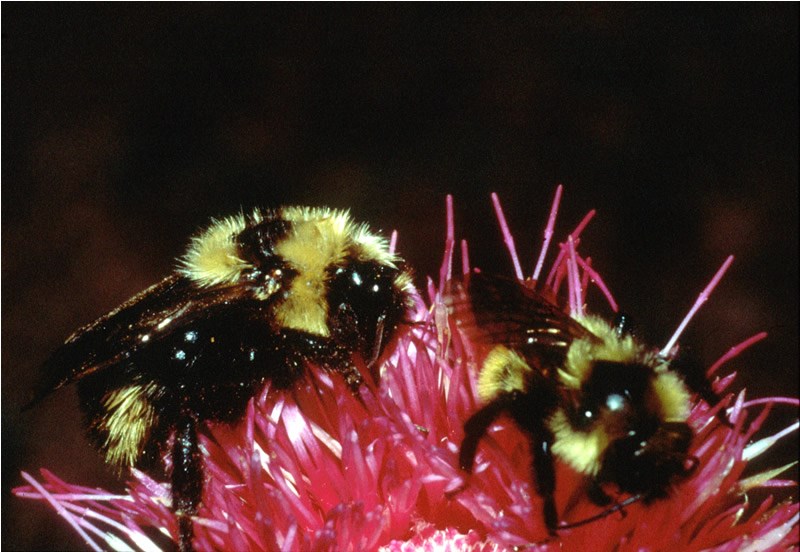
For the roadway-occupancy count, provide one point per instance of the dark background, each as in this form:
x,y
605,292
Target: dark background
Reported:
x,y
126,127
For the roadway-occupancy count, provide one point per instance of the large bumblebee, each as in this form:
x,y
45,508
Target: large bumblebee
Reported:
x,y
585,391
255,298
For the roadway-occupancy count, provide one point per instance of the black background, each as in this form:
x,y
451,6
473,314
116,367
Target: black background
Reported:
x,y
125,127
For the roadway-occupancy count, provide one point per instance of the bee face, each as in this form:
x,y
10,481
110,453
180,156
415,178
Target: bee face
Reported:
x,y
617,396
648,465
365,305
645,454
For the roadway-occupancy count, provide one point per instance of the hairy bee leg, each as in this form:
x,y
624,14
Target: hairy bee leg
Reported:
x,y
475,428
377,346
187,477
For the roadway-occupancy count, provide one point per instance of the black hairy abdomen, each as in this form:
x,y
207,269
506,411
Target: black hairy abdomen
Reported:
x,y
210,367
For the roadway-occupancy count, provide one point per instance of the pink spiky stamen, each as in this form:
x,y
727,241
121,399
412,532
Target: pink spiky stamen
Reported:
x,y
759,447
585,276
702,298
393,242
559,272
595,277
573,276
548,233
62,511
575,237
508,239
556,275
792,401
446,272
734,351
582,224
464,258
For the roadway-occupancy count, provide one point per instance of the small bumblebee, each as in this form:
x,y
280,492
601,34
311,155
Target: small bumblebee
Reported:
x,y
255,298
586,392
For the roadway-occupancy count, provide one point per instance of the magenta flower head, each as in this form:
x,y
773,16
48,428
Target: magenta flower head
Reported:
x,y
316,467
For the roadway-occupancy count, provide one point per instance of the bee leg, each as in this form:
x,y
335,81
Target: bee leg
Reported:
x,y
475,428
352,377
321,351
597,495
187,477
544,476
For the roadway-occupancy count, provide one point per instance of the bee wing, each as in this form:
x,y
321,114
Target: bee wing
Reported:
x,y
144,318
494,310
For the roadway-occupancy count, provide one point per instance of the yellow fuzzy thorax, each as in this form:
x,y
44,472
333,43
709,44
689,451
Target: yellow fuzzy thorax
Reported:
x,y
317,239
213,255
672,395
604,345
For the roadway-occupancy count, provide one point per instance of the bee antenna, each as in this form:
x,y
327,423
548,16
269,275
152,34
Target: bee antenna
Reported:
x,y
623,325
618,507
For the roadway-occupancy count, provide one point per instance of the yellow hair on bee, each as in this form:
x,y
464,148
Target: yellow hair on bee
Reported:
x,y
367,245
130,417
321,238
405,283
605,344
318,239
372,246
213,256
673,395
503,371
582,451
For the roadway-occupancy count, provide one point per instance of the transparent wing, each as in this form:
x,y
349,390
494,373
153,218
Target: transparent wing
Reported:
x,y
494,310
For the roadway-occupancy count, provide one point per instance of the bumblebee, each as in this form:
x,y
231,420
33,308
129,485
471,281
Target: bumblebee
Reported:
x,y
585,392
254,299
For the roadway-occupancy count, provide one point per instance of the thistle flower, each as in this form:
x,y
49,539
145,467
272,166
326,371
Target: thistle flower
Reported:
x,y
315,468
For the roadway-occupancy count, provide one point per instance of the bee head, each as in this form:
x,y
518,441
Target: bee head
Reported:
x,y
627,426
649,464
367,300
645,452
